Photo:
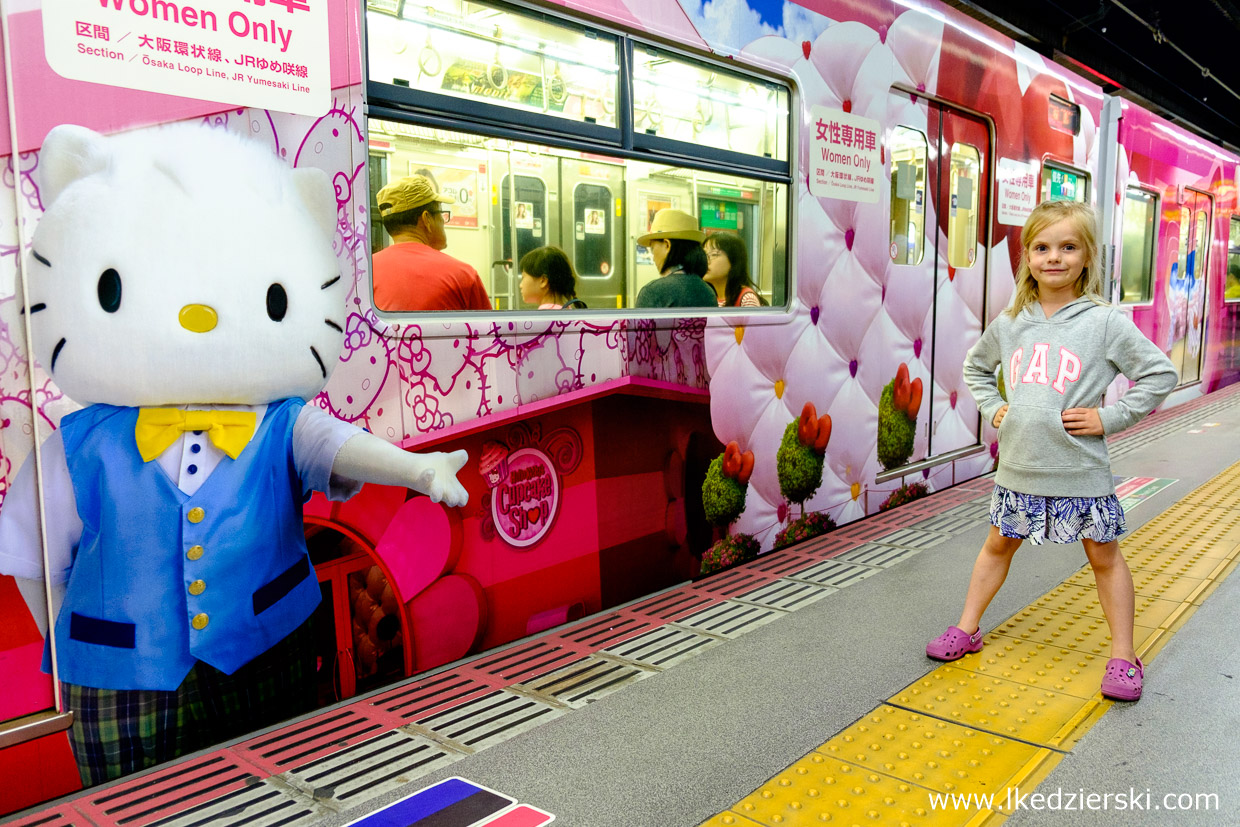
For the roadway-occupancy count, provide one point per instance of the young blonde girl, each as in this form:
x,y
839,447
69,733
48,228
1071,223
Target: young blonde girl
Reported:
x,y
1059,346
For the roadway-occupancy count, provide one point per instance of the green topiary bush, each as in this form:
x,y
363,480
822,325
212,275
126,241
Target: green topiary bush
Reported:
x,y
723,498
798,466
895,431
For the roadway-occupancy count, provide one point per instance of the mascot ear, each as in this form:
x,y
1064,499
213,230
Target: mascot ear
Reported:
x,y
69,152
315,190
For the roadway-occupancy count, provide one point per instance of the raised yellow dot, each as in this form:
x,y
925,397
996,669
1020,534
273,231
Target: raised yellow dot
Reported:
x,y
196,515
200,621
197,587
194,553
739,332
856,490
779,388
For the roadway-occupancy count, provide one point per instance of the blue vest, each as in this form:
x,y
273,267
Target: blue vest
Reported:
x,y
161,579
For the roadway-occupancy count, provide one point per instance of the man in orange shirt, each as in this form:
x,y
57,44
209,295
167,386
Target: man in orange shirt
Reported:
x,y
413,273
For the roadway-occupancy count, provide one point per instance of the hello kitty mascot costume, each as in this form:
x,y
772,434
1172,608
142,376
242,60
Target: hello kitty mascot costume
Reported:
x,y
183,288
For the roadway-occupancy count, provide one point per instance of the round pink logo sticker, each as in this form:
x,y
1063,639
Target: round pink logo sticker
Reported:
x,y
526,500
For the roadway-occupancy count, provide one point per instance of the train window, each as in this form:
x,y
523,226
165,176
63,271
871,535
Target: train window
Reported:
x,y
512,113
966,166
1063,184
1137,253
1064,116
683,100
512,197
1232,288
472,51
908,195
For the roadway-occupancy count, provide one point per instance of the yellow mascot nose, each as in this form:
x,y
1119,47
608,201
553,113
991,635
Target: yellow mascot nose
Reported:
x,y
198,318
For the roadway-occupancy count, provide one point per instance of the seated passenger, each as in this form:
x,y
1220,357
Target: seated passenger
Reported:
x,y
675,243
548,280
728,271
412,274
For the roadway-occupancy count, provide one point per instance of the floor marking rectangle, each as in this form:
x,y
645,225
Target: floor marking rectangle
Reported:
x,y
523,815
453,802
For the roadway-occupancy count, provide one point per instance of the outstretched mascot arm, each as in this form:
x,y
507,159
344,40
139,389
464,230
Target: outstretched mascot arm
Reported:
x,y
367,458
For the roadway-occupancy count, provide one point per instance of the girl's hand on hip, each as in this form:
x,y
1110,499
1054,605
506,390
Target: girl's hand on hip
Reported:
x,y
1082,422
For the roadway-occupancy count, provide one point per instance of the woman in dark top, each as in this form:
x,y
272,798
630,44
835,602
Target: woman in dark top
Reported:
x,y
675,244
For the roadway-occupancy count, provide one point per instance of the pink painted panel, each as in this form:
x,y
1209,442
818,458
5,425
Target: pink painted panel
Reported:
x,y
26,689
44,99
446,621
421,544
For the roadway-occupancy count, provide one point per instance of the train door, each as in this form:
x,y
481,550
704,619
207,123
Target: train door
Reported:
x,y
941,172
524,209
961,171
593,222
1186,285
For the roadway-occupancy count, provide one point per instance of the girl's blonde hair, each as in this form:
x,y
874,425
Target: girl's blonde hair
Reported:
x,y
1085,221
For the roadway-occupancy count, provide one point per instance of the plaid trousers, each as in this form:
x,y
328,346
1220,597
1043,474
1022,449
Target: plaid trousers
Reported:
x,y
119,731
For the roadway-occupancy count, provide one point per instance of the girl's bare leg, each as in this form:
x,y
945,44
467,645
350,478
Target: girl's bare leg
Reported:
x,y
989,572
1115,593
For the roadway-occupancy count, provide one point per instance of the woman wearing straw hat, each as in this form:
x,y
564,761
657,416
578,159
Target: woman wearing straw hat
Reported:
x,y
675,244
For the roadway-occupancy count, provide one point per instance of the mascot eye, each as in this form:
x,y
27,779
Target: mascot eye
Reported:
x,y
110,290
277,302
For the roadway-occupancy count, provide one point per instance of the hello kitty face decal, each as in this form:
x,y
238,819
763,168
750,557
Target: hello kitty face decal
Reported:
x,y
182,265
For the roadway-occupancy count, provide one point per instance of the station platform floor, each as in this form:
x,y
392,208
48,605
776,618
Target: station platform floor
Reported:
x,y
795,690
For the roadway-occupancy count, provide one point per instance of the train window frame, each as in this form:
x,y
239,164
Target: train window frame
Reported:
x,y
431,110
1151,253
1051,164
1233,240
919,186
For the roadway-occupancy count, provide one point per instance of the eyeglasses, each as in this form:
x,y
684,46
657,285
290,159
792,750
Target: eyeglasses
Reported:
x,y
713,254
447,215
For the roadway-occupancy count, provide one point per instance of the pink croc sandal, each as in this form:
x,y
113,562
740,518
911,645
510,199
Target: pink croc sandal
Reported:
x,y
1122,680
954,644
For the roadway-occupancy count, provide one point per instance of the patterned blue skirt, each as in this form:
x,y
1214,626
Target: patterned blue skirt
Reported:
x,y
1057,519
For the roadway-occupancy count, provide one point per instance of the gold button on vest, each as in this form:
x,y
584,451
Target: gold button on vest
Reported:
x,y
197,587
200,621
194,552
196,514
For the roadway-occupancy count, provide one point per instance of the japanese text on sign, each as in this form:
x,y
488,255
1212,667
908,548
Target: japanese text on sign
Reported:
x,y
845,158
1017,183
265,53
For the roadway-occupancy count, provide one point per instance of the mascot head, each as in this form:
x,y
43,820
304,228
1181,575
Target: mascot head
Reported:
x,y
182,265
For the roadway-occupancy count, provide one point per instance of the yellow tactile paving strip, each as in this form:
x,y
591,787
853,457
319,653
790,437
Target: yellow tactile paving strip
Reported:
x,y
1003,718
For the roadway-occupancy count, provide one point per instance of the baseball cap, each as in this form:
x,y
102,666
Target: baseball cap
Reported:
x,y
408,193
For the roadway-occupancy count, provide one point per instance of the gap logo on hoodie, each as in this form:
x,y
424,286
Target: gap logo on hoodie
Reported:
x,y
1069,367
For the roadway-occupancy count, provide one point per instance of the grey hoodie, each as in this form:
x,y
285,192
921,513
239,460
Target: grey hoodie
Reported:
x,y
1050,365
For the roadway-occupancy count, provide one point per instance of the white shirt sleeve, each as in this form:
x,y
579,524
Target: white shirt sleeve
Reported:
x,y
317,438
20,552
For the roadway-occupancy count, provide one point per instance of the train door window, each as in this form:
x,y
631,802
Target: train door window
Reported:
x,y
684,100
1140,230
908,195
593,238
1186,286
1063,184
963,218
517,59
379,176
1232,288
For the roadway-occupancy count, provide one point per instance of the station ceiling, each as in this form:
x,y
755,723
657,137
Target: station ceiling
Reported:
x,y
1179,57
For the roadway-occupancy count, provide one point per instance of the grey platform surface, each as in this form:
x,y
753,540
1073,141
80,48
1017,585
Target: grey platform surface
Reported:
x,y
676,748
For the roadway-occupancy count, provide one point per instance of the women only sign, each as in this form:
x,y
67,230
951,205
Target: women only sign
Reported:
x,y
272,55
844,157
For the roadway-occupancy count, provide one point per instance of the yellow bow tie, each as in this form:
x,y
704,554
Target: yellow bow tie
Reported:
x,y
158,428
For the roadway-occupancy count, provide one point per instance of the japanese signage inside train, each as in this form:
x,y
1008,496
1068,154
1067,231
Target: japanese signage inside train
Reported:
x,y
264,53
844,157
1018,190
